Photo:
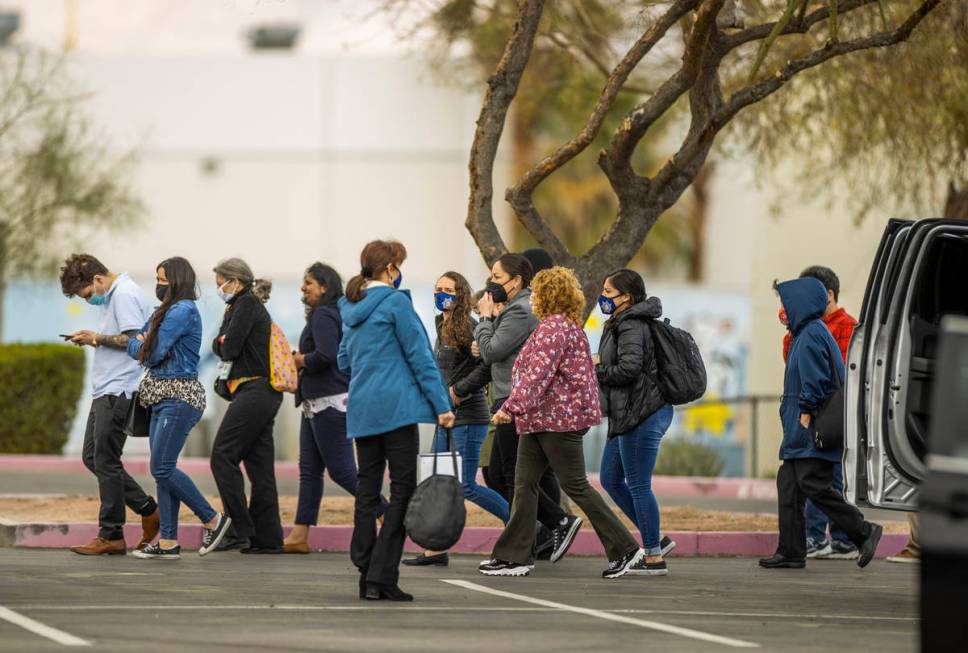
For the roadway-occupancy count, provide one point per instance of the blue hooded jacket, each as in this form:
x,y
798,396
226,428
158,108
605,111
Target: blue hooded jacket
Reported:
x,y
394,379
814,359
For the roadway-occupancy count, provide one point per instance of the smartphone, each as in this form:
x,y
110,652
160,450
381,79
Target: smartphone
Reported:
x,y
64,336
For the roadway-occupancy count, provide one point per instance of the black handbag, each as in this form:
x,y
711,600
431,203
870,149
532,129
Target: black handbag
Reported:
x,y
828,424
436,514
138,419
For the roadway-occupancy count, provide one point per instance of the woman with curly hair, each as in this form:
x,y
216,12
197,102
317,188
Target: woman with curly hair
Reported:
x,y
466,378
554,400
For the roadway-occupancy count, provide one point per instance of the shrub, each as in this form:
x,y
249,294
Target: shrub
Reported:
x,y
681,457
40,386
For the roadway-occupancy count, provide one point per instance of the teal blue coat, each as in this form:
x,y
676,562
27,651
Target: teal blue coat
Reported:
x,y
394,379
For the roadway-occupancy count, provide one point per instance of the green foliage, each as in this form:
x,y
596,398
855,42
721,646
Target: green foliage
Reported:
x,y
38,396
885,129
682,457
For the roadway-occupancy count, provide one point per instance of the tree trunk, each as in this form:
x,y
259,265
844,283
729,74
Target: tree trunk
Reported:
x,y
956,206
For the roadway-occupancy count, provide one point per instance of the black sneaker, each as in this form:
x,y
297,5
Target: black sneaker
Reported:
x,y
211,538
423,560
869,548
544,543
155,552
643,568
232,543
620,567
564,535
842,551
667,544
504,568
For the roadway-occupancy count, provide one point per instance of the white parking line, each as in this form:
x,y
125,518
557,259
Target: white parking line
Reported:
x,y
435,608
642,623
59,636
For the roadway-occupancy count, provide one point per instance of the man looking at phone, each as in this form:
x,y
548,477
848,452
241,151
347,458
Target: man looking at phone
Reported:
x,y
115,376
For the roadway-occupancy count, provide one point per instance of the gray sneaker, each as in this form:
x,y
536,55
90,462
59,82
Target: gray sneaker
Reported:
x,y
819,550
842,551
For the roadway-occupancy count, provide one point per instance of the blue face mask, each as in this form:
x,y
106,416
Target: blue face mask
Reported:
x,y
97,300
444,301
398,280
607,304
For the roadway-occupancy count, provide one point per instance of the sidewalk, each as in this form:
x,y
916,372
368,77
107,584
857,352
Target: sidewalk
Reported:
x,y
678,486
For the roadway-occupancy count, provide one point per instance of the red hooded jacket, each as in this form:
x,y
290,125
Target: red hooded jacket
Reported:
x,y
841,325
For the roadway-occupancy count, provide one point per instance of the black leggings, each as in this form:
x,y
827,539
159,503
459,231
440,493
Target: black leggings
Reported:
x,y
504,458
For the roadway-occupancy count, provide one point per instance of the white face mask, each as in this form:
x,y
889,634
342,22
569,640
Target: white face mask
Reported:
x,y
225,296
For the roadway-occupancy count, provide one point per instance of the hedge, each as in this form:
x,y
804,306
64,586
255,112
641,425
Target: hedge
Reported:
x,y
680,457
40,386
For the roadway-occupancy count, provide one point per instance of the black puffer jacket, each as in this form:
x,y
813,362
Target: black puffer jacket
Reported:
x,y
627,371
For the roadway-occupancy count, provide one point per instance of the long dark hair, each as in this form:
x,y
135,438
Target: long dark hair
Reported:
x,y
181,285
329,279
456,332
374,259
628,282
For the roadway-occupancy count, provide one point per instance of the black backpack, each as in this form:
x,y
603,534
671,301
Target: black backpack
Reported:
x,y
436,515
682,375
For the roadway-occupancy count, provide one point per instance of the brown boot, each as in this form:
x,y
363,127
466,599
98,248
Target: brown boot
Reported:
x,y
295,547
150,526
100,546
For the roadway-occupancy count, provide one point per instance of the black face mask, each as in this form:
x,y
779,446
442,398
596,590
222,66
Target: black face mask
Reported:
x,y
497,292
161,290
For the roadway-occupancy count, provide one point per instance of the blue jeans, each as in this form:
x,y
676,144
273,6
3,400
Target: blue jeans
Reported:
x,y
171,421
626,474
817,521
468,439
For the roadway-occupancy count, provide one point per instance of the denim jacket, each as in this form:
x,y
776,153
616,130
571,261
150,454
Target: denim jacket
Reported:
x,y
179,341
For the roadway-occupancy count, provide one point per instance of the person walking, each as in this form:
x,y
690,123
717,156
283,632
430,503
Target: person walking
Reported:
x,y
394,386
554,399
841,325
122,310
322,394
499,338
245,434
638,415
168,346
807,472
466,378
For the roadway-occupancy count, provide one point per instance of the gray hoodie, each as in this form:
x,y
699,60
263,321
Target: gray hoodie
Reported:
x,y
501,339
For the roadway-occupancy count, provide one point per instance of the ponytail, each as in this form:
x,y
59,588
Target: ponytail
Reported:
x,y
374,258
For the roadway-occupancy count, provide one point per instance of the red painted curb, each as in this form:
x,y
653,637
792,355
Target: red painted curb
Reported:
x,y
474,540
672,486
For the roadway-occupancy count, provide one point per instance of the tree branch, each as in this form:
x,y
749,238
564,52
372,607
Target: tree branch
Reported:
x,y
699,142
502,86
801,26
520,195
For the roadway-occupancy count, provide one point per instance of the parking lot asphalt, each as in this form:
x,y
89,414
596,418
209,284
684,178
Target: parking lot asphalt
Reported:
x,y
51,600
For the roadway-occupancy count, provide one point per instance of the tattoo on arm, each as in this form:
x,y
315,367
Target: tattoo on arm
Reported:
x,y
119,341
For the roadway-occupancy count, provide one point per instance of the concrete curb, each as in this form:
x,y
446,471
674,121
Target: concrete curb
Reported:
x,y
475,540
671,486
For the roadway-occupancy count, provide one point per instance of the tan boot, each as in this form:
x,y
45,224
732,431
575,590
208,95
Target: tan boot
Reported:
x,y
295,547
99,546
150,526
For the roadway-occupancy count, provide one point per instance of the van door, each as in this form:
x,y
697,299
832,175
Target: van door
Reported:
x,y
944,498
925,282
859,356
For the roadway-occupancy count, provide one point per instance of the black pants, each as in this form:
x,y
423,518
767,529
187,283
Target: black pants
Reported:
x,y
378,556
103,443
245,436
504,459
813,478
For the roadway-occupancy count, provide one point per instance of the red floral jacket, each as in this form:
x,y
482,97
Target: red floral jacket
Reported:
x,y
553,383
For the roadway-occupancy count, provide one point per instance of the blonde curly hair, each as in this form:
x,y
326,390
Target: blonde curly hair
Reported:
x,y
556,291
